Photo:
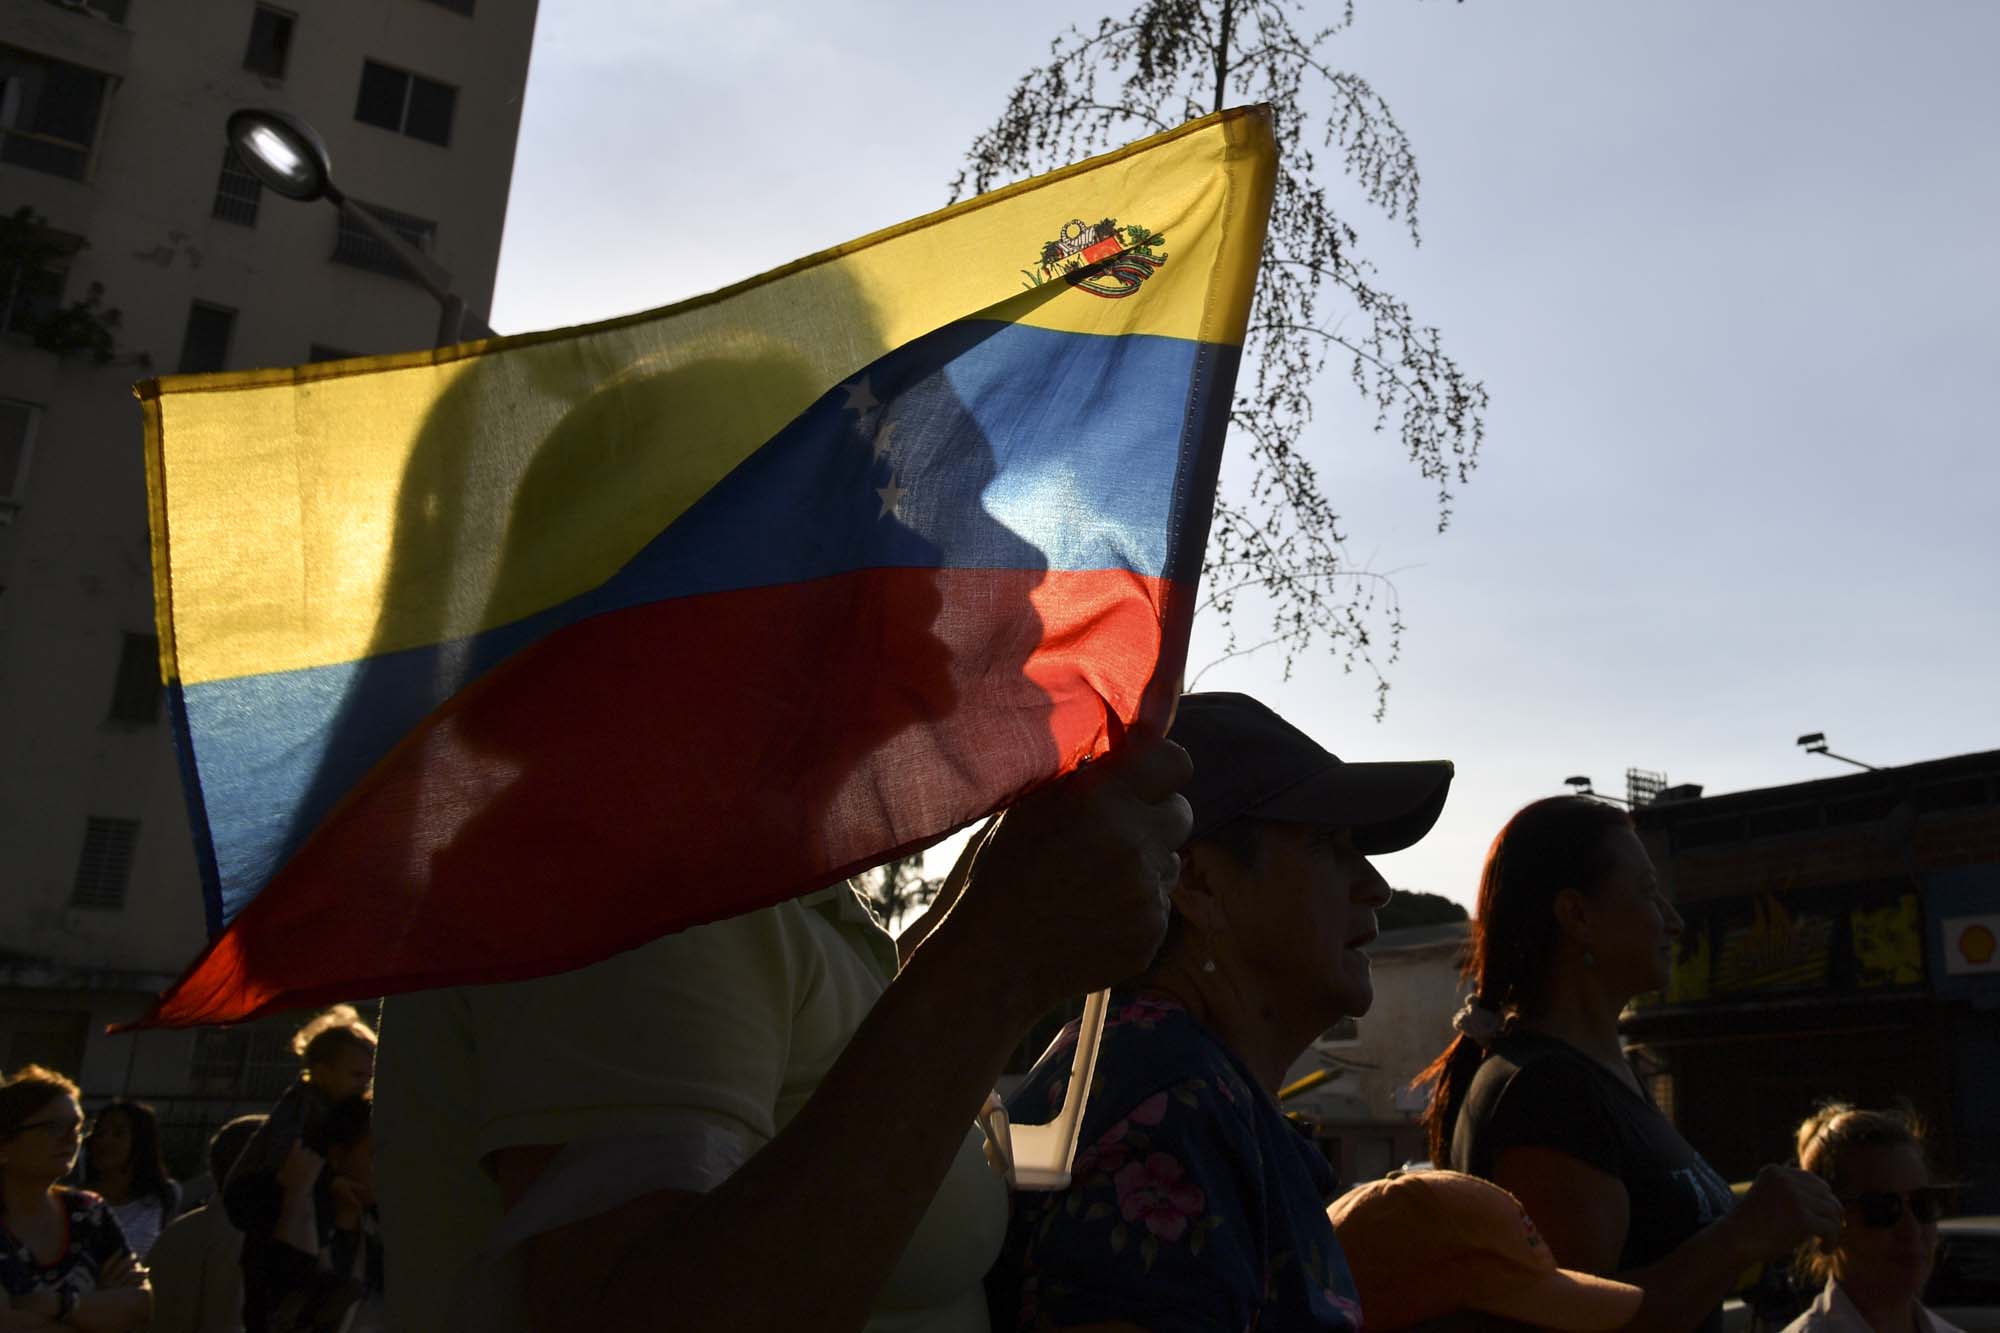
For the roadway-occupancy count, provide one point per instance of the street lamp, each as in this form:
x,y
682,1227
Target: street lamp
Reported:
x,y
289,158
1814,742
1580,786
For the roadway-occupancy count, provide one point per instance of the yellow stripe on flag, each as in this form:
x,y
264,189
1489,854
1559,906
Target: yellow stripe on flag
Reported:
x,y
335,509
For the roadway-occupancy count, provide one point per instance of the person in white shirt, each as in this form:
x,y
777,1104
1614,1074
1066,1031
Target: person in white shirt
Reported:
x,y
197,1263
1873,1277
766,1122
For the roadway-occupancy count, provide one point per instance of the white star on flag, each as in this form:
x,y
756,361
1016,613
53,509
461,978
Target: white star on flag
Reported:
x,y
892,496
859,397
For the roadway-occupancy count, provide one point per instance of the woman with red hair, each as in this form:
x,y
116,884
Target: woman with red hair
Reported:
x,y
1535,1093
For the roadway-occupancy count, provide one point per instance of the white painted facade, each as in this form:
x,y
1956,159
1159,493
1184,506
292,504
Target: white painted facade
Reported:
x,y
75,570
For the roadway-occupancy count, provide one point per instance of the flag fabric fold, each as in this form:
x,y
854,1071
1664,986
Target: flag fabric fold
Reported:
x,y
494,661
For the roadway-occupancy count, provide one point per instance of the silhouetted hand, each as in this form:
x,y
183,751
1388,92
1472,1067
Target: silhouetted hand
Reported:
x,y
1068,892
1784,1207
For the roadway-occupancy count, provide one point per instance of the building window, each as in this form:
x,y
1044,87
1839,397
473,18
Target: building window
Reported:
x,y
106,864
270,42
136,696
237,192
356,245
321,352
29,294
17,444
49,111
205,346
52,1038
113,10
406,103
217,1067
244,1063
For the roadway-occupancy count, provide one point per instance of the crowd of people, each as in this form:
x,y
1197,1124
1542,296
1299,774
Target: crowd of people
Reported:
x,y
785,1120
288,1242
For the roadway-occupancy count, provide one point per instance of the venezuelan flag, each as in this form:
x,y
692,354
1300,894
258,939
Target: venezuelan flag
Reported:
x,y
495,661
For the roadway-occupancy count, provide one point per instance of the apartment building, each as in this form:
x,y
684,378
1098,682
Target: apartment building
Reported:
x,y
111,140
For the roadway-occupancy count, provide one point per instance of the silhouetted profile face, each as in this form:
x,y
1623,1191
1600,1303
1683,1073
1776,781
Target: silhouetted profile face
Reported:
x,y
111,1141
1633,924
1299,914
346,1073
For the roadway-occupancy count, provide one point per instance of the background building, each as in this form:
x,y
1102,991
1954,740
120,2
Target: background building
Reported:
x,y
1841,942
1363,1110
111,134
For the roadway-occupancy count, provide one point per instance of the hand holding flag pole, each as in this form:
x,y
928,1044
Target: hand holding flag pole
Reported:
x,y
1042,1157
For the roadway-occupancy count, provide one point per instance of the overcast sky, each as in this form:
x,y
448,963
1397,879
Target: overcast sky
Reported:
x,y
1730,272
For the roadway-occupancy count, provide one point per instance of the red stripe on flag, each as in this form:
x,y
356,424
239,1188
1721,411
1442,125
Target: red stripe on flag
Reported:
x,y
659,767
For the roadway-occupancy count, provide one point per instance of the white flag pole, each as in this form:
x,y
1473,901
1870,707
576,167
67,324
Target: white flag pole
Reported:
x,y
1039,1157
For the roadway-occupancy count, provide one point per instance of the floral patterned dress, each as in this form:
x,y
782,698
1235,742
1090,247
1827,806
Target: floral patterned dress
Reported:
x,y
94,1241
1195,1204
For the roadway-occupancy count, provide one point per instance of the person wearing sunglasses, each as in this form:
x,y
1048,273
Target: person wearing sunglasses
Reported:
x,y
1870,1279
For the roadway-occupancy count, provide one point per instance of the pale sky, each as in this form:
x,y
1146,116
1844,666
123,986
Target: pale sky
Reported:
x,y
1729,271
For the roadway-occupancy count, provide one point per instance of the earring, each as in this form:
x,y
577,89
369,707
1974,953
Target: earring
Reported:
x,y
1208,965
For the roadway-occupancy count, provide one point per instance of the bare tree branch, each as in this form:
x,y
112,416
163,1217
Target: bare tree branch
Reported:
x,y
1169,61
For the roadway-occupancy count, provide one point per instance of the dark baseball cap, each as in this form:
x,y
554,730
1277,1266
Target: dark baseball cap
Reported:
x,y
1248,761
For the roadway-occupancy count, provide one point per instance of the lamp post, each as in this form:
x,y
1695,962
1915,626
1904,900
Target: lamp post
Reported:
x,y
1814,742
289,158
1580,786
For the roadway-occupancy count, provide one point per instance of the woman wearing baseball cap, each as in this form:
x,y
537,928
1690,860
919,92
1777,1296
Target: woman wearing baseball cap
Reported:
x,y
1535,1095
1194,1204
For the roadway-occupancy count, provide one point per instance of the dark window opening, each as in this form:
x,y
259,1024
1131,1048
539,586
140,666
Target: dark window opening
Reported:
x,y
17,438
321,352
53,1039
1707,832
105,867
355,244
1783,819
1932,796
28,296
270,42
136,696
455,6
51,113
1861,809
206,343
411,104
114,10
237,192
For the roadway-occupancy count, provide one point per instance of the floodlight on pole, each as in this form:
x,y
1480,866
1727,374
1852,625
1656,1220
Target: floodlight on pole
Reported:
x,y
1580,785
288,157
1814,742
